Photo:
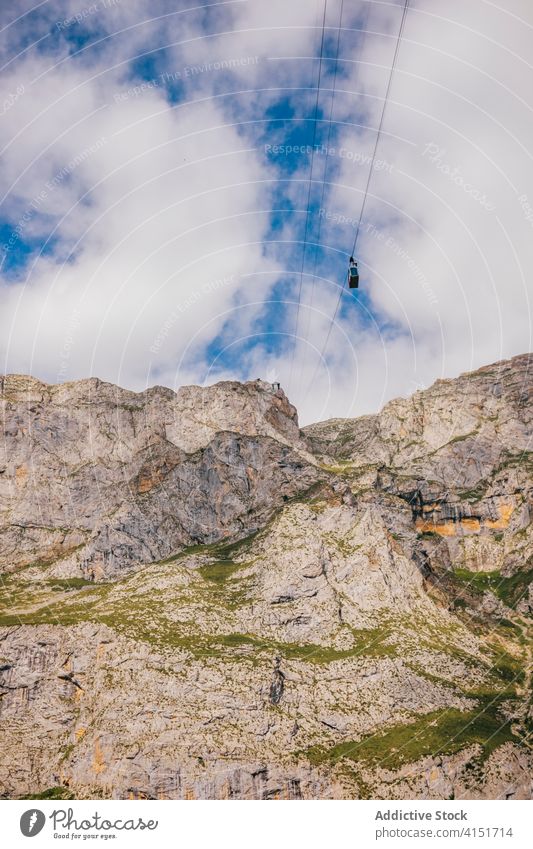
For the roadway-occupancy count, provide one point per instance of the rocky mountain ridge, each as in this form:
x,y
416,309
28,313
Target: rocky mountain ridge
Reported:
x,y
201,600
108,479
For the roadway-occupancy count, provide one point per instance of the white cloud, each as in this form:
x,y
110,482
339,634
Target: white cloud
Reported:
x,y
159,224
430,224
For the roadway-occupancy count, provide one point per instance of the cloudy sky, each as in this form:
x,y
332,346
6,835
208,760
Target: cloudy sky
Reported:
x,y
181,184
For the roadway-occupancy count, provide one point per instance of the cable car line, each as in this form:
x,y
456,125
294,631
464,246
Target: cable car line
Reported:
x,y
361,47
378,135
380,127
310,185
326,164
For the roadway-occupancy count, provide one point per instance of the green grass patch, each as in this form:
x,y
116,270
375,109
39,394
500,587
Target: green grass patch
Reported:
x,y
523,459
338,469
143,618
439,732
221,550
224,587
508,589
370,644
507,667
65,584
475,494
462,438
52,793
18,597
219,571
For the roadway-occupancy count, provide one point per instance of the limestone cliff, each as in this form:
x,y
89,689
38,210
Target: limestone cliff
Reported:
x,y
199,600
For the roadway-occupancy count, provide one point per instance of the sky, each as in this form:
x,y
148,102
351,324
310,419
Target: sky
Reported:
x,y
181,185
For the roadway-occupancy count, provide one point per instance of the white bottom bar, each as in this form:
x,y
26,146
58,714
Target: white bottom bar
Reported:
x,y
269,825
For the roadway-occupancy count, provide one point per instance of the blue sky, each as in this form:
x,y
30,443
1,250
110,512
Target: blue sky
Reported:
x,y
155,228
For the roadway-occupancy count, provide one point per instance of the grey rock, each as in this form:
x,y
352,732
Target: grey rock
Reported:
x,y
199,600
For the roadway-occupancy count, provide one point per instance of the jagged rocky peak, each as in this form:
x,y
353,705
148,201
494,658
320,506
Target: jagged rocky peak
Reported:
x,y
255,407
108,479
190,416
492,403
459,453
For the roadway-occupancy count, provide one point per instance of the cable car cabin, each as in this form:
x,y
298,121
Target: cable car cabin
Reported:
x,y
353,274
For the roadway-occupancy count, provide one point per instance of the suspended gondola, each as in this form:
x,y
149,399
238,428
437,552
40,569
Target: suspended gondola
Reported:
x,y
353,270
353,274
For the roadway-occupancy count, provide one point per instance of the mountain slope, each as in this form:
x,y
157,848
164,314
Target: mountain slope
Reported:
x,y
108,479
200,600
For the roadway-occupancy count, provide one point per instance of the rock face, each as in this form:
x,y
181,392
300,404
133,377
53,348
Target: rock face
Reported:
x,y
460,454
106,479
199,600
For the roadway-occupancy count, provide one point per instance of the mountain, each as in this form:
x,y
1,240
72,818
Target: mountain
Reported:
x,y
201,600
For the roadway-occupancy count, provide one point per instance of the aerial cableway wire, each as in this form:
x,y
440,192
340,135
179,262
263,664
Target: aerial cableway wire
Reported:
x,y
361,46
387,93
309,187
317,243
378,135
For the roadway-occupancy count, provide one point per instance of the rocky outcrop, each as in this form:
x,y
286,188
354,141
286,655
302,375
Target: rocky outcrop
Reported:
x,y
459,453
100,480
199,600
